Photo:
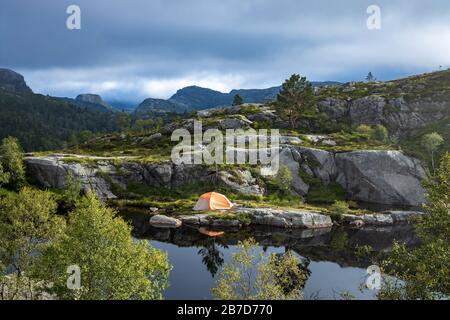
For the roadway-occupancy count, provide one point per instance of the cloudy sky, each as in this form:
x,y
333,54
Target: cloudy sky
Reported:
x,y
132,49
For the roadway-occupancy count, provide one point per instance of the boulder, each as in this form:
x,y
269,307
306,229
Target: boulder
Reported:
x,y
161,221
195,219
384,177
291,218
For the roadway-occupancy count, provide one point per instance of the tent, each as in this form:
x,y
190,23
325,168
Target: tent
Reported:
x,y
213,201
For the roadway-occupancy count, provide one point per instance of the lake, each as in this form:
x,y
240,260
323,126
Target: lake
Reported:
x,y
330,255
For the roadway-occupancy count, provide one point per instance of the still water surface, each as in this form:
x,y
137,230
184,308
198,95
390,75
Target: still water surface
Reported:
x,y
330,255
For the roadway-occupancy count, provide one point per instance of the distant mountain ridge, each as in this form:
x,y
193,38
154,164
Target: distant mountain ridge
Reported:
x,y
195,98
91,102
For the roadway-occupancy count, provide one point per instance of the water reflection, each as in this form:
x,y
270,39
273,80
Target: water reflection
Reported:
x,y
329,255
212,257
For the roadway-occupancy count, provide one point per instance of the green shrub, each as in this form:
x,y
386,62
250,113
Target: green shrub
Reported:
x,y
380,133
338,209
283,179
365,130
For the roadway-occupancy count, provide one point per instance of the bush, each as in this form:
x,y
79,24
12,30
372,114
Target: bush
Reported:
x,y
113,265
365,130
338,209
12,161
4,176
283,179
254,275
380,133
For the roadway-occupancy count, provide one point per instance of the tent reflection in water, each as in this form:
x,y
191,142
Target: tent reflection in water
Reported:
x,y
213,201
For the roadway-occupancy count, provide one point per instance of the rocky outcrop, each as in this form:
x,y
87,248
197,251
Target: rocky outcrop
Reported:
x,y
101,175
287,218
241,182
382,219
380,177
51,172
403,115
12,81
278,218
387,177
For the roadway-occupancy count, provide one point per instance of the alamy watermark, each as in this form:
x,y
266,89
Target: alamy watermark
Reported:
x,y
238,146
373,281
374,20
73,22
74,279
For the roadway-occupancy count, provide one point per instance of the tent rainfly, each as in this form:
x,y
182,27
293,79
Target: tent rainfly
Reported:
x,y
213,201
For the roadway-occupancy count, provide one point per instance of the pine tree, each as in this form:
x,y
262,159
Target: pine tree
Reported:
x,y
237,100
295,98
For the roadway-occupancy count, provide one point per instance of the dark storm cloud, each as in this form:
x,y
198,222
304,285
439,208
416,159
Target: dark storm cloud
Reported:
x,y
138,48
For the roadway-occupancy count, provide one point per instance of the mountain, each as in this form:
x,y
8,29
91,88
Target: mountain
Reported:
x,y
12,81
91,102
151,105
43,122
195,98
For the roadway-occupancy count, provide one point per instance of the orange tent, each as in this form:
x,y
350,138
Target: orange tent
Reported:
x,y
213,201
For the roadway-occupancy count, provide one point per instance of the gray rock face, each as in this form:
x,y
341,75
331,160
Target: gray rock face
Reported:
x,y
382,177
287,218
234,123
401,115
320,162
333,107
383,219
244,183
387,177
287,159
51,172
195,219
161,221
367,110
404,216
12,81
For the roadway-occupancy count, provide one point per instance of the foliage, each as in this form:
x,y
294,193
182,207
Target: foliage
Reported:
x,y
364,129
12,161
338,209
370,77
431,143
295,98
72,191
256,276
45,123
283,179
122,120
4,176
112,264
380,133
27,221
422,272
237,100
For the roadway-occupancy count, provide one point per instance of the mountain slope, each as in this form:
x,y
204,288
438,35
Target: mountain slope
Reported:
x,y
195,98
12,81
91,102
43,122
